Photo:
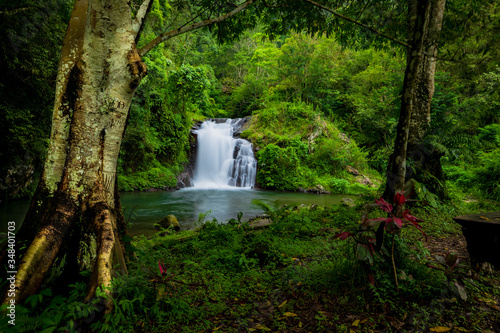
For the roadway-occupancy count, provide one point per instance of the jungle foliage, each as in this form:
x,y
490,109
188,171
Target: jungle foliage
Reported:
x,y
338,93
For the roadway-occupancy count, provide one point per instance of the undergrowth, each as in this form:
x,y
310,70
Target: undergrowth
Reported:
x,y
291,275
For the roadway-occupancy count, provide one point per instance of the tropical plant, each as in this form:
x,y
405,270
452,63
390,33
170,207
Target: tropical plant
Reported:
x,y
369,235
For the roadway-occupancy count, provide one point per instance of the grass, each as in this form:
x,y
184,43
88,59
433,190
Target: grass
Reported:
x,y
292,276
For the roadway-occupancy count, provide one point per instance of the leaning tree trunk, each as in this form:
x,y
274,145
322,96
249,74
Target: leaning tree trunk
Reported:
x,y
76,202
424,26
423,156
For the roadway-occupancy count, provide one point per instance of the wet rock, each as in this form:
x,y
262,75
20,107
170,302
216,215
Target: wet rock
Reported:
x,y
365,181
169,221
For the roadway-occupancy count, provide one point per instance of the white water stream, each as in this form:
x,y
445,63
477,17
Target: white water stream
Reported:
x,y
223,161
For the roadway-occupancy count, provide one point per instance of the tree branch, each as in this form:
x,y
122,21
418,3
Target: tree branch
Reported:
x,y
142,13
167,35
14,11
356,22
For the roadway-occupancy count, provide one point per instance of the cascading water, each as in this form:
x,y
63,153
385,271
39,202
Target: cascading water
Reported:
x,y
223,161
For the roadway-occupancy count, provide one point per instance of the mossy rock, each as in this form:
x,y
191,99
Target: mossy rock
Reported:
x,y
167,222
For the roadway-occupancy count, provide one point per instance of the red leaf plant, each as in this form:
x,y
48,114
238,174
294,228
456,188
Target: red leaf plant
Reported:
x,y
395,220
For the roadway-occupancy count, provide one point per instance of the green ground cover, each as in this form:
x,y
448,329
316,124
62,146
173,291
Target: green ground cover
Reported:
x,y
291,276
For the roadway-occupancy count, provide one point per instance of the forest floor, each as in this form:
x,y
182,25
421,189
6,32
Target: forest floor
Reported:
x,y
320,312
301,305
291,274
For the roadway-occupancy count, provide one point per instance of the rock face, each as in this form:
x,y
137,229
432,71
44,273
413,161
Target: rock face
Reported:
x,y
360,178
169,221
318,189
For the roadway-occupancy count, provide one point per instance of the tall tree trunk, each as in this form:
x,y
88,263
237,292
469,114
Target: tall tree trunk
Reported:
x,y
424,158
424,25
76,202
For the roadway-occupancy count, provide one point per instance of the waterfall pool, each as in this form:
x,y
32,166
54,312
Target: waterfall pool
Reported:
x,y
146,208
143,209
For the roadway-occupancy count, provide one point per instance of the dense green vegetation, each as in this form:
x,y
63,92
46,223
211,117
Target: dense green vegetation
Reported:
x,y
292,275
322,114
339,108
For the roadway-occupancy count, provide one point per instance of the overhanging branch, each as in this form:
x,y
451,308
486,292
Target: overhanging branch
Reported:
x,y
142,13
356,22
172,33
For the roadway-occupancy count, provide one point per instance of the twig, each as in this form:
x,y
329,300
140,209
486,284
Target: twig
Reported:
x,y
394,264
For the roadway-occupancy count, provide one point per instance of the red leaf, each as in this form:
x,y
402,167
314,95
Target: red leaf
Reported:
x,y
393,224
343,235
414,220
380,219
371,280
386,207
163,270
411,218
399,199
435,267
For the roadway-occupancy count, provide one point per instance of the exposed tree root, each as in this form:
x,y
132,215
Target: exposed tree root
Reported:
x,y
41,254
109,250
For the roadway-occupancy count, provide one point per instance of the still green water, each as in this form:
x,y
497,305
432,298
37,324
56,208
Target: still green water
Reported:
x,y
223,204
143,209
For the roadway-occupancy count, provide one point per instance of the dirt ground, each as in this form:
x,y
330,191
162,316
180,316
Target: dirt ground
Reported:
x,y
443,245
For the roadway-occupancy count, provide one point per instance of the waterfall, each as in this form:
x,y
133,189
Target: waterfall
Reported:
x,y
223,161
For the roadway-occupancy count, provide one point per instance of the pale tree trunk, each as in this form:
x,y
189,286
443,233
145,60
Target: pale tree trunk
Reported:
x,y
75,204
76,211
424,26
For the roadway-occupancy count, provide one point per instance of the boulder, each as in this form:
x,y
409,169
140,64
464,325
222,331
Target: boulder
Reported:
x,y
347,202
361,179
169,221
351,170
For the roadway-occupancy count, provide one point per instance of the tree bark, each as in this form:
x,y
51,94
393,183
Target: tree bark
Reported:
x,y
418,16
75,203
424,26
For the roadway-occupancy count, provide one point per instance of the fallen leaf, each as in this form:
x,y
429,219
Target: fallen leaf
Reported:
x,y
282,304
440,329
356,323
289,314
484,218
496,307
262,327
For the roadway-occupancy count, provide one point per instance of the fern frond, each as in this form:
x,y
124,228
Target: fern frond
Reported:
x,y
262,205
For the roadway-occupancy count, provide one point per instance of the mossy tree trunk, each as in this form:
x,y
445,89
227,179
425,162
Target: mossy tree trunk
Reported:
x,y
424,25
76,201
424,158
